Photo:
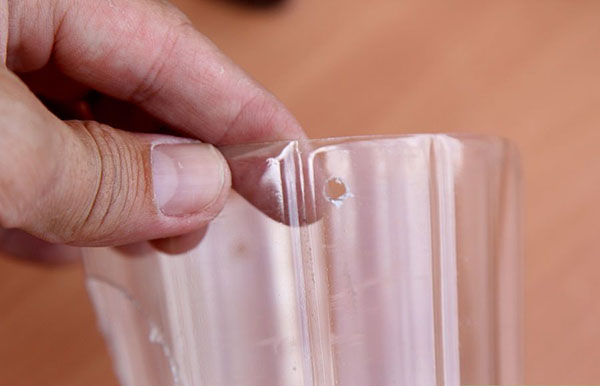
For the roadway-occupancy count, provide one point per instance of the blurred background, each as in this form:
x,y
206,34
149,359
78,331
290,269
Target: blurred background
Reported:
x,y
525,70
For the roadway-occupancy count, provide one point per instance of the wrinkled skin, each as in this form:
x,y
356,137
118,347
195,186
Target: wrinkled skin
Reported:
x,y
128,75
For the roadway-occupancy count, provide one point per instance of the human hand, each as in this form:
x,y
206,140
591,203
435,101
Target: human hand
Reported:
x,y
84,183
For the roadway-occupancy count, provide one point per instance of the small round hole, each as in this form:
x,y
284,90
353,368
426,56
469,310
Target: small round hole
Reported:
x,y
336,191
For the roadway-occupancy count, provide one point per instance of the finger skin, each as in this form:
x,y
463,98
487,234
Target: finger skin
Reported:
x,y
83,183
140,51
148,53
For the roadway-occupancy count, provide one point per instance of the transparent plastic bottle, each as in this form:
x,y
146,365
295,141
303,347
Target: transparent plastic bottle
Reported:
x,y
365,261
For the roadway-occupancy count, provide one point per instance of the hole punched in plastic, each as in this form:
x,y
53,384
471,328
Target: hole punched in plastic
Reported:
x,y
336,191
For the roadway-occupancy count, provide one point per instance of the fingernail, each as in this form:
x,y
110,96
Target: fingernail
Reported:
x,y
186,177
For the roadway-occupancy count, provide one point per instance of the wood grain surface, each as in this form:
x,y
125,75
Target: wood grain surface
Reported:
x,y
526,70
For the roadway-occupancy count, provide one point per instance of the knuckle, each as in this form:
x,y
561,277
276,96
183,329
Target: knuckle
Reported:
x,y
155,77
239,116
254,117
117,184
150,84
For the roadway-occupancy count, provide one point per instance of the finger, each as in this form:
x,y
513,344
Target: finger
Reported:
x,y
146,52
271,176
83,183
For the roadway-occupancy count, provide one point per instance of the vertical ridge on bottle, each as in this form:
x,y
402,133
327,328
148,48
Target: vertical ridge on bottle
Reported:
x,y
443,254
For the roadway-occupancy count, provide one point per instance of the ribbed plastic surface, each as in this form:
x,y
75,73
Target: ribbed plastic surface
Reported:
x,y
373,261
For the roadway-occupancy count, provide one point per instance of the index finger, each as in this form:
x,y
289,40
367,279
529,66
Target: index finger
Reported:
x,y
148,53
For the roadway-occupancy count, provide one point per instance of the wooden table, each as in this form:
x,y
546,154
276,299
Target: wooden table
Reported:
x,y
526,70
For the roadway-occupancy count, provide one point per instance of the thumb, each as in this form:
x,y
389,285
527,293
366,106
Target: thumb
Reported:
x,y
87,184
